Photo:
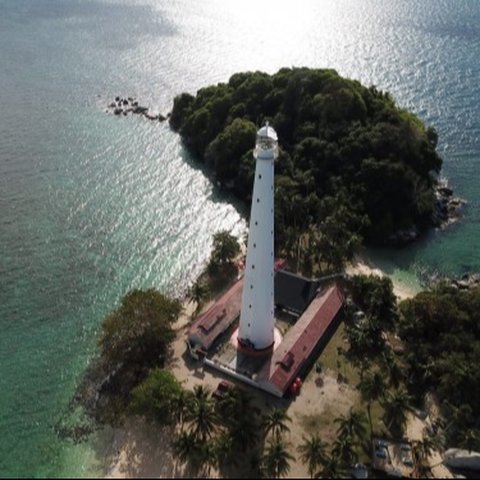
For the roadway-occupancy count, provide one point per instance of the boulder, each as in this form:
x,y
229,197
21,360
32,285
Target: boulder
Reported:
x,y
117,111
117,99
445,191
125,102
458,458
112,105
161,118
139,110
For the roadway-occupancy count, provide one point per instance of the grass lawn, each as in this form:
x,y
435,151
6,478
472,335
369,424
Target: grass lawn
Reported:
x,y
335,362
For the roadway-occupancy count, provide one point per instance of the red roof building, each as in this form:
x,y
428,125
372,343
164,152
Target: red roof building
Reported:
x,y
220,316
301,341
217,319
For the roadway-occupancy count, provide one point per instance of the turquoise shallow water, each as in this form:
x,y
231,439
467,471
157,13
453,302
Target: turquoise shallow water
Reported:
x,y
92,205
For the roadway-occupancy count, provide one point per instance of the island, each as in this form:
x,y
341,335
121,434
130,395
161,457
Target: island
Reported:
x,y
391,387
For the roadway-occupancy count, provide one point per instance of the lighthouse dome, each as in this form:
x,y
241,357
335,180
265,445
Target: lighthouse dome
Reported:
x,y
267,132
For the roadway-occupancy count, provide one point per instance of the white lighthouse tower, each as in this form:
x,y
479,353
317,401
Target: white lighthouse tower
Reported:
x,y
256,330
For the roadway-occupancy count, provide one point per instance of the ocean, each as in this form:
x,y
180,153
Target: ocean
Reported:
x,y
92,205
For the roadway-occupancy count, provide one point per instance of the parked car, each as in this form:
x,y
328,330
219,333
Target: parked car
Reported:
x,y
222,389
381,452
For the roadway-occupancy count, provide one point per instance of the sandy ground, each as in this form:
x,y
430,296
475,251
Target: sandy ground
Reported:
x,y
143,450
362,266
415,431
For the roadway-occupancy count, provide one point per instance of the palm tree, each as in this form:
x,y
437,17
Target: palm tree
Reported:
x,y
224,450
275,422
182,404
197,293
344,450
331,468
372,388
352,425
184,447
277,459
395,407
200,392
470,440
243,432
395,373
313,452
208,457
235,410
421,451
202,416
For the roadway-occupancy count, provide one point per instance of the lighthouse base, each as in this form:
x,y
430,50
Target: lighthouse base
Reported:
x,y
247,348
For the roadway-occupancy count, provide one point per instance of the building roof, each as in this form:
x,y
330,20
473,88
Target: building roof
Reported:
x,y
218,318
300,341
211,324
294,292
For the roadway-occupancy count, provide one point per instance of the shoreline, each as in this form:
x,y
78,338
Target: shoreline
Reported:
x,y
362,265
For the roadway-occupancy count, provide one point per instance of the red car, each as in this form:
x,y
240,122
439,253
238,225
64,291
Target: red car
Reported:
x,y
296,386
222,389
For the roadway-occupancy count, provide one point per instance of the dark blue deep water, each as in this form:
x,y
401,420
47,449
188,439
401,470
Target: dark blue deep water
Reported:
x,y
92,205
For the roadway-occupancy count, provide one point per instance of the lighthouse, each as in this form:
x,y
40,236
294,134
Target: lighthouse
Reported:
x,y
256,330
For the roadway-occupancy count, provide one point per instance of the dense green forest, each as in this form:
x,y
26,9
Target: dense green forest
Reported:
x,y
441,333
352,166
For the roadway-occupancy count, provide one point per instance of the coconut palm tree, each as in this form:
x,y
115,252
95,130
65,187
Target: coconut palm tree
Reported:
x,y
396,405
275,422
331,468
395,372
351,425
202,416
313,452
372,388
224,449
184,447
236,413
421,451
344,450
470,440
276,459
208,457
197,293
182,406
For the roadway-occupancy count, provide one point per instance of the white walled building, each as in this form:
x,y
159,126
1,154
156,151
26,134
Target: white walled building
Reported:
x,y
256,330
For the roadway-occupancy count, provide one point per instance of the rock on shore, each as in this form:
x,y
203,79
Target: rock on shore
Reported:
x,y
125,106
446,211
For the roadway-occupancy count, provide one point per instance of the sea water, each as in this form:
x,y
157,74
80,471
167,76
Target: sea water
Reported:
x,y
92,205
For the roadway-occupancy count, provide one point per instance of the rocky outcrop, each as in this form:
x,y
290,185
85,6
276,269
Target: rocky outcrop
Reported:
x,y
463,459
447,206
447,210
125,106
465,282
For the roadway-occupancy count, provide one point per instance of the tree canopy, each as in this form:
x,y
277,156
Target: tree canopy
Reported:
x,y
342,145
135,338
441,333
157,396
225,249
